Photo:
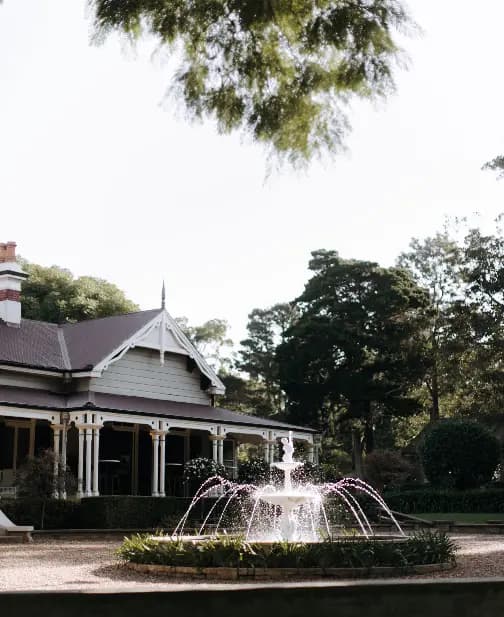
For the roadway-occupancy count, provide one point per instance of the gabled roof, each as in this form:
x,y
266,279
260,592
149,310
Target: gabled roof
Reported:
x,y
68,347
88,342
93,344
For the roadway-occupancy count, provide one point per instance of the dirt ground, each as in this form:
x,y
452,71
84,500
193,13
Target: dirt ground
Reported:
x,y
89,564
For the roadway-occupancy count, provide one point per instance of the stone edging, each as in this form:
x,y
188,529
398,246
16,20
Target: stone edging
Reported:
x,y
234,574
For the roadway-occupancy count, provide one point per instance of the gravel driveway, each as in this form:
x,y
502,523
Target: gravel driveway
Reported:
x,y
89,564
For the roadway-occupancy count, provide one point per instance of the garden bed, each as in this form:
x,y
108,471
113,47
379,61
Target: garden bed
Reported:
x,y
260,574
232,558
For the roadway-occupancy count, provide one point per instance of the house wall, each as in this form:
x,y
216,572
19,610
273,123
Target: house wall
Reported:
x,y
140,373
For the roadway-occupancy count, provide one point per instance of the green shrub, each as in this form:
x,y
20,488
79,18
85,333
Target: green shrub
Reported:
x,y
460,454
254,471
308,472
222,551
53,513
446,500
386,469
111,512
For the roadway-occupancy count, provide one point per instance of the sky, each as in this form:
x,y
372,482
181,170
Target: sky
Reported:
x,y
101,174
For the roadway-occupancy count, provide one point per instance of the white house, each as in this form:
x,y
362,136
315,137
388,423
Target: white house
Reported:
x,y
123,400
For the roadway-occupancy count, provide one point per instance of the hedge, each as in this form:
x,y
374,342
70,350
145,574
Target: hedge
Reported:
x,y
117,512
446,500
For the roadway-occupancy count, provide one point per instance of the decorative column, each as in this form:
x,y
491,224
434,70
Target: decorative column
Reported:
x,y
33,428
162,462
310,453
155,463
89,438
273,445
80,463
220,449
56,449
317,447
214,448
64,436
96,458
134,460
267,450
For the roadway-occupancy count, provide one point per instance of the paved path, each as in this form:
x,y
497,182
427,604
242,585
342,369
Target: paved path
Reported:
x,y
89,564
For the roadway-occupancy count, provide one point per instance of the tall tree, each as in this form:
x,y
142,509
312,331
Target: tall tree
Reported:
x,y
483,270
436,264
282,71
353,353
266,330
53,294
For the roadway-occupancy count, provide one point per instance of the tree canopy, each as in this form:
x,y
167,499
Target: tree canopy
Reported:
x,y
281,71
53,294
354,349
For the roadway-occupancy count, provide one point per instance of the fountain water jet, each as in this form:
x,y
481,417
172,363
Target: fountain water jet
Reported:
x,y
290,513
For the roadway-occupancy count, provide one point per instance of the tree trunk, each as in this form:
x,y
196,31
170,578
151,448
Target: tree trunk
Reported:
x,y
368,427
434,412
357,454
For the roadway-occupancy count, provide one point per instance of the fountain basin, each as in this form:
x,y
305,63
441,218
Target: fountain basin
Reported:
x,y
290,501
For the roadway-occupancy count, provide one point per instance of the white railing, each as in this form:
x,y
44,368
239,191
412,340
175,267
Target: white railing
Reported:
x,y
8,491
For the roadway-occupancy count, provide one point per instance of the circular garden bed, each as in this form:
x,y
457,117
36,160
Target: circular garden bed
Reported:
x,y
233,558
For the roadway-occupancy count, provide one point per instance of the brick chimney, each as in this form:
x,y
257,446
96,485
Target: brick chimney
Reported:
x,y
11,276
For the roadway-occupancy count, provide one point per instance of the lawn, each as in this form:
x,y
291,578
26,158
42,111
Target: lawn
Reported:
x,y
462,517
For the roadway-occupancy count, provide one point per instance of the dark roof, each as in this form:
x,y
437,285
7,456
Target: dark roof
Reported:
x,y
79,346
35,343
40,399
89,342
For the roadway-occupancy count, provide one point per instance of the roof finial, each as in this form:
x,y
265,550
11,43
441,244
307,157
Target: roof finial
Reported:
x,y
163,296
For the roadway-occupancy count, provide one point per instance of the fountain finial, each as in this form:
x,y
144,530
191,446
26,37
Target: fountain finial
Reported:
x,y
288,448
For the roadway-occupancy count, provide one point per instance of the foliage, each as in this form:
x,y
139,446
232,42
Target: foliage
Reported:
x,y
210,339
254,471
460,454
54,295
36,479
202,469
245,394
105,512
386,469
352,353
446,500
45,513
266,330
308,472
496,164
423,548
281,71
436,264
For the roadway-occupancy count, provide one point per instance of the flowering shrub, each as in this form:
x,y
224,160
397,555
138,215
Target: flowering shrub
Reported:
x,y
254,471
202,468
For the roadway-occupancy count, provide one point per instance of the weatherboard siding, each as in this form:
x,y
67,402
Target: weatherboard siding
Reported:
x,y
140,373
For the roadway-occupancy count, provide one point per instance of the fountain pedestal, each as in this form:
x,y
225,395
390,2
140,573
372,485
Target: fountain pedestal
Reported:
x,y
288,499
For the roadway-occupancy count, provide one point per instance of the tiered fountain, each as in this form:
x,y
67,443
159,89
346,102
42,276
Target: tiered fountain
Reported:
x,y
280,532
292,513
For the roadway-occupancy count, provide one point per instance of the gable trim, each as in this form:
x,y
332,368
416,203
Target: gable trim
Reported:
x,y
165,322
